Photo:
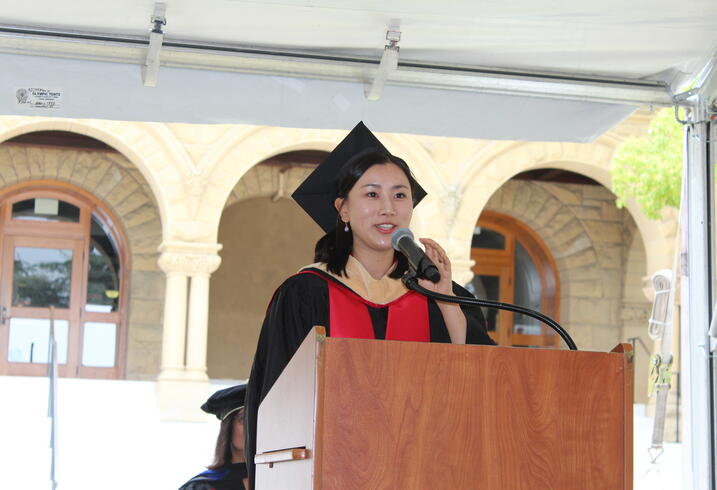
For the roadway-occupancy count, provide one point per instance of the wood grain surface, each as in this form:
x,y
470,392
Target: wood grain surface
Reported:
x,y
287,420
404,415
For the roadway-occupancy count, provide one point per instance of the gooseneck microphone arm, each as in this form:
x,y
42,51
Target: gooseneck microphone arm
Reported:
x,y
411,282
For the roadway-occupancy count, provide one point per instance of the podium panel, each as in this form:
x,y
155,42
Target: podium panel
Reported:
x,y
390,415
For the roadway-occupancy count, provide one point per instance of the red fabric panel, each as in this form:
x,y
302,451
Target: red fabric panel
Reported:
x,y
408,318
349,316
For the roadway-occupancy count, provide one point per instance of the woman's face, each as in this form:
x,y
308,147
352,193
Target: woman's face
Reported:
x,y
238,438
377,205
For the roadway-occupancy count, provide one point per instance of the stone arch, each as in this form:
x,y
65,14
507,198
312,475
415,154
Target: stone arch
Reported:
x,y
149,147
113,179
600,257
266,237
587,236
487,177
268,181
241,150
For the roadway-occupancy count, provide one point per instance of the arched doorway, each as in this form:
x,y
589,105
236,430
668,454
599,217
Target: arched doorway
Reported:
x,y
63,263
513,265
265,237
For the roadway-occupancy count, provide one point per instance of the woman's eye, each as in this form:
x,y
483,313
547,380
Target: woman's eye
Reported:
x,y
372,194
400,195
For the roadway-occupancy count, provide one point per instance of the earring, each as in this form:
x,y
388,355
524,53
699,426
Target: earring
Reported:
x,y
346,226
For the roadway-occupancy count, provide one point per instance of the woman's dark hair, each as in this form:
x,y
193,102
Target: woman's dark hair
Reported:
x,y
223,449
335,247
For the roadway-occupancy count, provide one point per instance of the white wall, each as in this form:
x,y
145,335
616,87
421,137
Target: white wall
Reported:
x,y
109,436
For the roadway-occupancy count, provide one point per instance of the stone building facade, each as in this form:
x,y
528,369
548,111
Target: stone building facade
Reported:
x,y
210,231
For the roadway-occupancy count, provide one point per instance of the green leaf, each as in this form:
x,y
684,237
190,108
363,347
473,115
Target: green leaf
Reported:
x,y
649,169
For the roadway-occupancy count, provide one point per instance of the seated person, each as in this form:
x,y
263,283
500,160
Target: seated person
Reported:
x,y
228,470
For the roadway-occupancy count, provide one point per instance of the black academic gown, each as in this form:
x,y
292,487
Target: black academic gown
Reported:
x,y
302,302
229,477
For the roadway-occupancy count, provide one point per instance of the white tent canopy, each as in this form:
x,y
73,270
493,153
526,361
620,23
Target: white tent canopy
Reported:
x,y
308,63
564,70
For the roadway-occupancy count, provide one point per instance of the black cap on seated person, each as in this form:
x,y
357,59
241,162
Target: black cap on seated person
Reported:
x,y
316,195
225,402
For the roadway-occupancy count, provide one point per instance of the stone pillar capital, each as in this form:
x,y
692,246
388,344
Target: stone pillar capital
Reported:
x,y
462,270
191,259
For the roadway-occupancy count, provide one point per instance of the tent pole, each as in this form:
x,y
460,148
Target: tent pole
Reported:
x,y
697,281
711,270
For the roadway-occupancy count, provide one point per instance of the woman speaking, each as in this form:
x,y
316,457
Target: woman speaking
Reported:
x,y
360,195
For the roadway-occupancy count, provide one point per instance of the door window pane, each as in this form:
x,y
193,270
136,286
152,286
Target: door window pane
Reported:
x,y
527,291
104,270
42,209
487,287
42,277
486,238
29,340
98,344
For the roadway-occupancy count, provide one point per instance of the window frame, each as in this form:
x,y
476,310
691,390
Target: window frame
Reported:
x,y
513,230
88,205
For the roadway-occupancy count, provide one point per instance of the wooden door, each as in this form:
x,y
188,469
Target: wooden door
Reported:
x,y
502,248
494,282
37,274
61,255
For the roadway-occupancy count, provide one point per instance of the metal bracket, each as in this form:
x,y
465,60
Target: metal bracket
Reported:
x,y
150,69
388,64
683,97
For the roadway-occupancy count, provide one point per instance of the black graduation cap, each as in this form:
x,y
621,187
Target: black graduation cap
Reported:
x,y
316,195
225,401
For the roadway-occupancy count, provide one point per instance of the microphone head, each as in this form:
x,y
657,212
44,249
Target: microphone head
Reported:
x,y
398,235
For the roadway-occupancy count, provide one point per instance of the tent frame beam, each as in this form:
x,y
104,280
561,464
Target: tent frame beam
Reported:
x,y
243,59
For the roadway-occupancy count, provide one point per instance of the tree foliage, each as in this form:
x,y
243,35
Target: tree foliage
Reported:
x,y
649,169
42,284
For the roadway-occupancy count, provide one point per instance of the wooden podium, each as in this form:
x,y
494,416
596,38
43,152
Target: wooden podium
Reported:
x,y
365,414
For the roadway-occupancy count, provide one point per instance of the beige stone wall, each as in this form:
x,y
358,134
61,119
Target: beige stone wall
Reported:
x,y
193,169
265,238
600,259
111,178
190,173
264,242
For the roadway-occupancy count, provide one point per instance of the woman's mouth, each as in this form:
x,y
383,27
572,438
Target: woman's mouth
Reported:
x,y
386,228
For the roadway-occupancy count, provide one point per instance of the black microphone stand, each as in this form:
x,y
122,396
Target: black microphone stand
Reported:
x,y
411,282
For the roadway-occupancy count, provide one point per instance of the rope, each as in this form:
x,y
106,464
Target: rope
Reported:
x,y
660,327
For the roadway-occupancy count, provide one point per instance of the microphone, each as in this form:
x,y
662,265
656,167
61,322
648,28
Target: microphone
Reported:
x,y
402,240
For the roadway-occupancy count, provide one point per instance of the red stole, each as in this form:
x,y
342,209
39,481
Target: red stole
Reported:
x,y
349,316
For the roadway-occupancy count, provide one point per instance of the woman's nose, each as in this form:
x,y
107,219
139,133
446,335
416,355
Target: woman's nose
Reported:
x,y
388,208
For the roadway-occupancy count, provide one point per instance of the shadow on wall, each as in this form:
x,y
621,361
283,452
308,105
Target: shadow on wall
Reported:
x,y
264,242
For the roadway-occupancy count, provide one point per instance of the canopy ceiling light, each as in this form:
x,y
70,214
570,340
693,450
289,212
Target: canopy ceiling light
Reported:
x,y
150,69
388,64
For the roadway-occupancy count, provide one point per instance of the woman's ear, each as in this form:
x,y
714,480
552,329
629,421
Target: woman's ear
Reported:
x,y
339,205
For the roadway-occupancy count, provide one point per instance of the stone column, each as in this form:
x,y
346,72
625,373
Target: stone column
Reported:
x,y
183,384
175,316
197,330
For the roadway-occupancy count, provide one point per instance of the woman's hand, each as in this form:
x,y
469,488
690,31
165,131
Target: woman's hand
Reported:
x,y
439,257
453,316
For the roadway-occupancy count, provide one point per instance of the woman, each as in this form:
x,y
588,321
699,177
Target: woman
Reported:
x,y
359,195
228,470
